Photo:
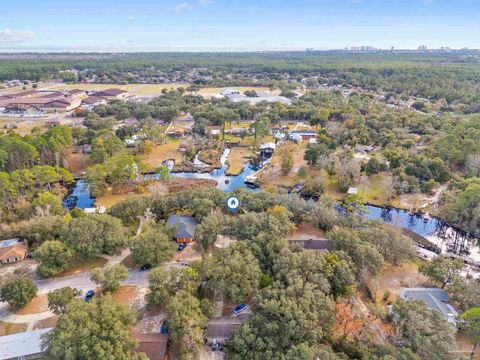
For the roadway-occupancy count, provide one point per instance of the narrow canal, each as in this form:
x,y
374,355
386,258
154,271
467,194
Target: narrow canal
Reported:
x,y
436,231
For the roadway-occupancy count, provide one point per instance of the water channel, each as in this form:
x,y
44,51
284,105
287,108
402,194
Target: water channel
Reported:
x,y
445,237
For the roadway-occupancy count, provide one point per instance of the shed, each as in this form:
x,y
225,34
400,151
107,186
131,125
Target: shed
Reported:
x,y
352,190
184,227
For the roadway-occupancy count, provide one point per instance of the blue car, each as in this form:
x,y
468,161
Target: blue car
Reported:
x,y
181,246
239,309
89,295
164,328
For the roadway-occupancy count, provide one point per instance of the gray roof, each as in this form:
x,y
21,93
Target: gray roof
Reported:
x,y
184,224
22,344
434,298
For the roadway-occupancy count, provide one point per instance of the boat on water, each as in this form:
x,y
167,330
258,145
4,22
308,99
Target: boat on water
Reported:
x,y
426,217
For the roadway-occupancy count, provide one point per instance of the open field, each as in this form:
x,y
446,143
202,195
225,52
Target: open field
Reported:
x,y
163,152
81,265
78,163
237,159
37,305
108,199
392,278
24,125
272,173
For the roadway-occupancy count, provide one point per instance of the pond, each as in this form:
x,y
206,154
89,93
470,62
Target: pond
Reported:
x,y
81,198
448,239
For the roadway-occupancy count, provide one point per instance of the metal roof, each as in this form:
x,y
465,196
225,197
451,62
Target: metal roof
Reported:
x,y
434,298
22,344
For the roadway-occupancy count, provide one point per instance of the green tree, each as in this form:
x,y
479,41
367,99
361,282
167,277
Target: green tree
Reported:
x,y
45,175
465,293
95,177
48,204
472,325
95,235
206,232
164,172
427,333
54,257
164,285
110,278
443,269
18,292
59,299
186,324
100,329
153,246
237,272
287,161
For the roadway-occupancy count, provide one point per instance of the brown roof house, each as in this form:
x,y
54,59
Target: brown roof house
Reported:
x,y
153,345
12,251
112,94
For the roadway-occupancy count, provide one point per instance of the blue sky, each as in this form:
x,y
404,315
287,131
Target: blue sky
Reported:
x,y
162,25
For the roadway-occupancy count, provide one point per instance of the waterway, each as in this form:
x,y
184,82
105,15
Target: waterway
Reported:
x,y
447,238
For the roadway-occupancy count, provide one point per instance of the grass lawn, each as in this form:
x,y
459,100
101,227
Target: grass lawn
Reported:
x,y
108,199
164,152
78,163
11,328
237,159
24,125
81,265
272,173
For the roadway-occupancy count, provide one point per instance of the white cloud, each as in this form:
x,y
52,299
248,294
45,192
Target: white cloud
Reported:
x,y
182,7
15,35
206,2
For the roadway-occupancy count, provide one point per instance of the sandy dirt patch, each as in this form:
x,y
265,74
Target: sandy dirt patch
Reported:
x,y
131,296
392,278
36,305
46,323
10,328
306,231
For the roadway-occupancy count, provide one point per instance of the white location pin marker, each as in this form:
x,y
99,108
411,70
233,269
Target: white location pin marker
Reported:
x,y
233,203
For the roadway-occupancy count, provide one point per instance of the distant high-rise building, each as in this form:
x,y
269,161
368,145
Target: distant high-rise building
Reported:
x,y
422,47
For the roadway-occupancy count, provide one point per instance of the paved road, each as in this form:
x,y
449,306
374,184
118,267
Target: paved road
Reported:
x,y
83,282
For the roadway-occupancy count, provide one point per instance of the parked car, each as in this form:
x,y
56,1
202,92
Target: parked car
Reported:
x,y
181,246
89,295
164,328
146,267
240,308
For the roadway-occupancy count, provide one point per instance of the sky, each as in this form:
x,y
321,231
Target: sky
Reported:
x,y
236,25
